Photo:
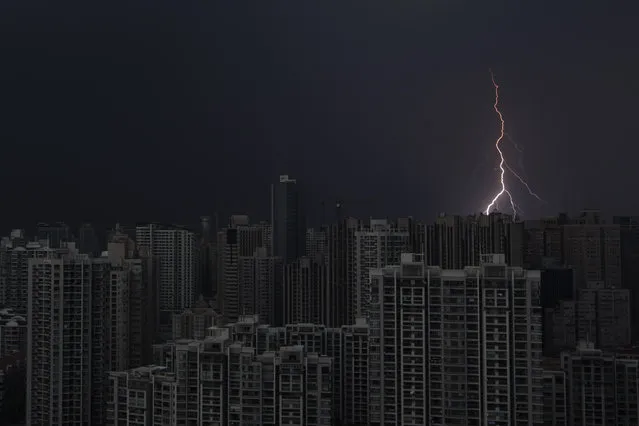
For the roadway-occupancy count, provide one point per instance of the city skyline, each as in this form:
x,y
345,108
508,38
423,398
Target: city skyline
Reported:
x,y
319,213
372,322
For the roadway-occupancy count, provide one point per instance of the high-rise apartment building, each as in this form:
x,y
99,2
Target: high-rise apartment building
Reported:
x,y
218,381
454,242
176,249
629,235
55,234
134,393
194,322
207,260
87,316
560,327
342,271
601,387
488,321
603,316
68,349
555,394
316,243
543,239
306,291
260,287
88,241
133,303
376,246
593,249
288,220
354,378
455,346
398,364
416,231
251,351
13,333
240,239
559,303
14,271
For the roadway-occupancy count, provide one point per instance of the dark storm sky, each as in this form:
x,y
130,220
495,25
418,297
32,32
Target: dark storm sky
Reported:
x,y
170,110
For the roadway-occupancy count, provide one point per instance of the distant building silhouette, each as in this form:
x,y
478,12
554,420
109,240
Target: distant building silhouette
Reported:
x,y
176,249
288,220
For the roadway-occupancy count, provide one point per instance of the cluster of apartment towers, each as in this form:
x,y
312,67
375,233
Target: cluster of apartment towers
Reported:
x,y
476,320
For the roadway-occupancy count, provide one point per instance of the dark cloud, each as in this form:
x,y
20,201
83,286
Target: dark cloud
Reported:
x,y
164,110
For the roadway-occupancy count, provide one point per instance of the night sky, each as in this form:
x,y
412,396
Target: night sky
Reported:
x,y
169,110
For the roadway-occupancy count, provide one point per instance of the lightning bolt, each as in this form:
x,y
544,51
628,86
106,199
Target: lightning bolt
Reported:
x,y
523,182
503,164
502,159
517,147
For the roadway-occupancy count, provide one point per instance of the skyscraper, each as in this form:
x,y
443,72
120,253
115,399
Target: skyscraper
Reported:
x,y
629,234
14,272
239,239
177,251
485,345
261,286
376,246
593,249
88,241
306,292
56,233
68,350
455,346
207,260
454,242
288,220
601,386
342,271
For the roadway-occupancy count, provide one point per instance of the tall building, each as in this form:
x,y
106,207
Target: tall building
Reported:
x,y
593,249
416,231
559,301
446,345
246,348
376,246
68,347
194,322
316,242
13,333
239,239
133,303
454,242
177,251
306,292
207,260
601,387
188,385
288,220
88,241
603,316
217,381
629,234
398,366
14,271
555,394
543,239
353,381
342,271
260,287
55,234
